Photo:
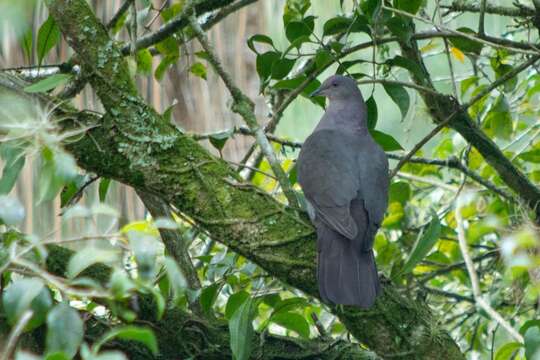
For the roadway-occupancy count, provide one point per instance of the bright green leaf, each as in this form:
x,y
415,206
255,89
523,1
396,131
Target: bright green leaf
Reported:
x,y
104,184
400,96
241,330
387,142
134,333
48,83
198,69
507,351
87,257
424,243
292,321
48,37
234,302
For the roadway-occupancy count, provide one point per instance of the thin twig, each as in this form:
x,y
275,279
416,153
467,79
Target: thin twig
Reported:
x,y
15,333
125,6
244,107
133,28
422,142
479,299
481,30
428,181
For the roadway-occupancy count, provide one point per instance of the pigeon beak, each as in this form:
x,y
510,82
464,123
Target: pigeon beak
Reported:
x,y
317,92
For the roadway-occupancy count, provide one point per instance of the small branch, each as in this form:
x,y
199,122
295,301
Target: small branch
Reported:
x,y
15,333
479,299
481,31
484,39
402,83
421,143
244,107
458,265
133,28
125,6
522,11
427,181
448,294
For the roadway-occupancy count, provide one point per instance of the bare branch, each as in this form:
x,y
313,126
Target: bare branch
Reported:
x,y
522,11
244,107
121,11
479,299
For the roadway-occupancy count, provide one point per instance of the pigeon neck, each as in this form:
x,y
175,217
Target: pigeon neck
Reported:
x,y
348,115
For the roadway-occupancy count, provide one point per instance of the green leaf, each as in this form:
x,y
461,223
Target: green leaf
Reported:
x,y
24,294
424,243
532,156
532,343
498,121
198,69
286,305
264,63
48,37
405,63
410,6
371,113
292,321
259,38
164,65
208,297
48,83
400,27
299,29
64,330
234,302
400,96
387,142
241,330
400,191
507,351
26,44
336,25
14,160
176,278
282,67
104,184
219,139
465,44
144,62
87,257
134,333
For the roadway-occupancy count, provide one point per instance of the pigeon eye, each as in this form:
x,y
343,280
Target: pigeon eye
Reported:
x,y
334,84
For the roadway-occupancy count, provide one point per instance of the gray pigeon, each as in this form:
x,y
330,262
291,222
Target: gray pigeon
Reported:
x,y
344,175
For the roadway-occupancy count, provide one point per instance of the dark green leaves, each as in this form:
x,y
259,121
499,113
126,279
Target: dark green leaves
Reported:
x,y
405,63
14,158
292,321
282,67
532,156
387,142
424,243
64,330
24,294
298,31
371,106
410,6
241,329
264,63
343,24
498,121
219,139
208,296
532,342
48,83
48,37
259,38
134,333
400,96
234,302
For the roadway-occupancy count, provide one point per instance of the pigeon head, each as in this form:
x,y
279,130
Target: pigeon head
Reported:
x,y
338,87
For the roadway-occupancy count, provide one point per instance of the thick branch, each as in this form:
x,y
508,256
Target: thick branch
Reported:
x,y
522,11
